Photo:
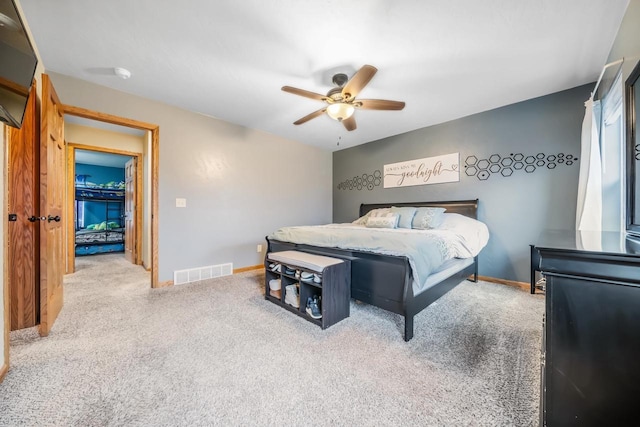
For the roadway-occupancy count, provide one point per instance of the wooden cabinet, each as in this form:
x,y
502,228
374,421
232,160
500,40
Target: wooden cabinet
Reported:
x,y
591,344
329,283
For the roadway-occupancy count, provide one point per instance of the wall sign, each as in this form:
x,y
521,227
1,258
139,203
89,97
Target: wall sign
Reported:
x,y
430,170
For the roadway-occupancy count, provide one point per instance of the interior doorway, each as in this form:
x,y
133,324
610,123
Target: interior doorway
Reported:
x,y
105,189
153,133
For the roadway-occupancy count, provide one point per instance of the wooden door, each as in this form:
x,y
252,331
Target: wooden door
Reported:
x,y
129,210
52,182
23,201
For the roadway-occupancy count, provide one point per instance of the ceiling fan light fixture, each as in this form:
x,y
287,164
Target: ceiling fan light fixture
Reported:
x,y
341,101
340,111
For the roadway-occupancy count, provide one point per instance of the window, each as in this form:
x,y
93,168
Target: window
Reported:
x,y
612,154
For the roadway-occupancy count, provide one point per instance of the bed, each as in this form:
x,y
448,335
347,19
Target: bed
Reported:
x,y
386,280
91,242
107,234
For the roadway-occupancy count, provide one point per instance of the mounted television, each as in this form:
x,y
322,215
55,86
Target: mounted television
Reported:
x,y
18,63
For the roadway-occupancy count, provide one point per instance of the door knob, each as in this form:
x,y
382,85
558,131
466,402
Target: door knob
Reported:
x,y
34,218
52,218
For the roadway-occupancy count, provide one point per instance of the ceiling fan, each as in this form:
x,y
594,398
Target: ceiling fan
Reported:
x,y
342,101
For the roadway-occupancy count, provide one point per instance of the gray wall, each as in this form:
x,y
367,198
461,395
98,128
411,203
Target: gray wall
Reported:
x,y
240,184
516,207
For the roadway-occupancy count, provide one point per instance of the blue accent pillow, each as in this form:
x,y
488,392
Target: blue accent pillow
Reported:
x,y
405,214
427,218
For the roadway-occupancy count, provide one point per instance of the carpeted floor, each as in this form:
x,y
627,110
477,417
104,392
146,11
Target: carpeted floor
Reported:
x,y
217,353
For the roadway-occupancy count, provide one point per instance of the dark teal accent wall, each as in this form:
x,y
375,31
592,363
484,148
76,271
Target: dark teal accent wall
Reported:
x,y
520,160
100,174
96,212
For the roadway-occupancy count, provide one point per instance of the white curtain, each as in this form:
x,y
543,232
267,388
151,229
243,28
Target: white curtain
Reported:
x,y
589,207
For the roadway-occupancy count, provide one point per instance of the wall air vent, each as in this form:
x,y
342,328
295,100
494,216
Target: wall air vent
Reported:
x,y
180,277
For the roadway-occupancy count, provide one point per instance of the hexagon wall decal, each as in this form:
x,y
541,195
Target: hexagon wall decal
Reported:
x,y
360,182
471,170
507,165
483,164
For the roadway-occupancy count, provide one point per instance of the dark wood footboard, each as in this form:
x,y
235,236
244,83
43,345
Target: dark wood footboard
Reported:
x,y
375,279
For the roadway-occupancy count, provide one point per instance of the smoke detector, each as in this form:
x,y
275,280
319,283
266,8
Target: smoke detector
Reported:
x,y
123,73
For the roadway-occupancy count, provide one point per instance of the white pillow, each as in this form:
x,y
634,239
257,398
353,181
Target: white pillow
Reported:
x,y
387,221
374,212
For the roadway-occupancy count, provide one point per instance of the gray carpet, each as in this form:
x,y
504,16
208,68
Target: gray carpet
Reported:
x,y
217,353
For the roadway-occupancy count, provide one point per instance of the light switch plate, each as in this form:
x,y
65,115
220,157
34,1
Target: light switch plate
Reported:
x,y
181,203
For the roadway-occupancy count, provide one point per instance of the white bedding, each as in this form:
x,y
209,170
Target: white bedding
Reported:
x,y
471,235
456,237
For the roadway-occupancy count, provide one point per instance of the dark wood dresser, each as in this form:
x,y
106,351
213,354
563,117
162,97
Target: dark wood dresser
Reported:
x,y
591,340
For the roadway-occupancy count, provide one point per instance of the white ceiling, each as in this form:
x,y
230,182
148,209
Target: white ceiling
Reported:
x,y
228,59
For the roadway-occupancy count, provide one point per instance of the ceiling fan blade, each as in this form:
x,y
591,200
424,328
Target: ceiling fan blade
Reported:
x,y
305,93
350,123
310,116
379,104
359,80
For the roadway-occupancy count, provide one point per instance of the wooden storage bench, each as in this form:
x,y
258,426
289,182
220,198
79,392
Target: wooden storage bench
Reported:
x,y
334,289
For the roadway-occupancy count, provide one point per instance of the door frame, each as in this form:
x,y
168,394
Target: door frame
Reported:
x,y
4,367
71,174
155,160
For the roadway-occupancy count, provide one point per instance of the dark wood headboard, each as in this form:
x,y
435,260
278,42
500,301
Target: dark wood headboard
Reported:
x,y
463,207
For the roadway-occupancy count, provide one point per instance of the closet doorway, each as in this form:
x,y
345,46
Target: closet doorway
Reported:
x,y
107,202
